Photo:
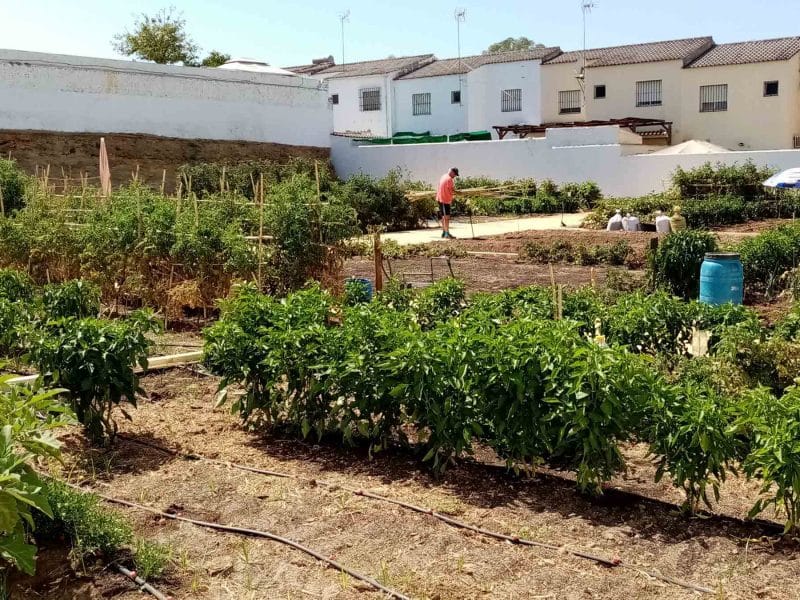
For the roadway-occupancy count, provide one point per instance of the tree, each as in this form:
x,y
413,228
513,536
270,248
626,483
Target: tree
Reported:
x,y
215,59
161,38
511,44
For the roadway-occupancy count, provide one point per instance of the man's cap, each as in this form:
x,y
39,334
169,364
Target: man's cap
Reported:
x,y
455,170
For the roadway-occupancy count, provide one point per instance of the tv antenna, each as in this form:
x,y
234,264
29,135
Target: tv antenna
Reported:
x,y
586,8
344,18
460,15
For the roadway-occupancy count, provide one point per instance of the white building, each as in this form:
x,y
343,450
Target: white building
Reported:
x,y
473,93
52,92
361,94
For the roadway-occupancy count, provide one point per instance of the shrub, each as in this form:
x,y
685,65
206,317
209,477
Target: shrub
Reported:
x,y
382,202
12,186
95,362
356,292
675,265
77,298
13,321
396,294
744,181
649,323
440,301
28,417
15,286
587,194
767,256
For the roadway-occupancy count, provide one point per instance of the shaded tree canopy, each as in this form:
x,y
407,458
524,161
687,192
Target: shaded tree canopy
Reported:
x,y
215,59
512,44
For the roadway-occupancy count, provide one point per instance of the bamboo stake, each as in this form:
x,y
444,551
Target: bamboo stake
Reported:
x,y
378,262
554,292
222,181
2,204
260,228
163,181
594,282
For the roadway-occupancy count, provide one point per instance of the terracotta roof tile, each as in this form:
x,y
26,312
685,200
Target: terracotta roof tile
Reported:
x,y
403,64
741,53
685,50
455,66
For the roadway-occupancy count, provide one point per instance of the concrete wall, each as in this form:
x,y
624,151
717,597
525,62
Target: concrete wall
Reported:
x,y
486,85
445,118
348,116
559,78
65,93
564,155
752,120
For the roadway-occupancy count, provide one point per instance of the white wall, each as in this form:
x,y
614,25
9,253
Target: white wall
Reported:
x,y
446,118
348,116
486,85
78,94
565,155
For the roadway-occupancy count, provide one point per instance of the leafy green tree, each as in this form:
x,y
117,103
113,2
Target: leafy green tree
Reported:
x,y
511,44
215,59
161,38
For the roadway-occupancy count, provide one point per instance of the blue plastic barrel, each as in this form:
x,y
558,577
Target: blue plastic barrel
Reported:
x,y
721,279
365,283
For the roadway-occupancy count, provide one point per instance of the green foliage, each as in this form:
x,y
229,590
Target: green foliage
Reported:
x,y
215,59
565,251
512,44
767,256
396,294
788,326
161,38
12,186
356,292
383,202
15,286
76,298
587,193
438,302
741,180
151,559
28,418
80,516
675,265
13,321
94,361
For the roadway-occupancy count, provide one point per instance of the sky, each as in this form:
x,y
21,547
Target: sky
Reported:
x,y
285,33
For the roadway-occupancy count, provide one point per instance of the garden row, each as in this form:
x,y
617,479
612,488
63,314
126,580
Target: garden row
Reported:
x,y
498,370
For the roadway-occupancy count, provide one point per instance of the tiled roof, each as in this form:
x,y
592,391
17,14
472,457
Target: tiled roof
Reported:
x,y
686,50
455,66
741,53
311,69
403,64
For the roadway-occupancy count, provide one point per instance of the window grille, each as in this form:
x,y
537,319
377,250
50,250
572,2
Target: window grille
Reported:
x,y
648,93
714,98
511,100
370,99
569,102
421,104
797,141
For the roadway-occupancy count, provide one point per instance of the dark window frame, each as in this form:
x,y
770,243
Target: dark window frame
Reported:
x,y
369,99
421,104
597,88
511,100
334,98
567,102
649,92
715,98
777,85
455,97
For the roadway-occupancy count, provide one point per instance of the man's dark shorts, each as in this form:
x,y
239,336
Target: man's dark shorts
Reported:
x,y
444,209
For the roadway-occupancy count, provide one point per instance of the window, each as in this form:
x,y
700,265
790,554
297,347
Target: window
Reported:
x,y
569,102
599,92
455,97
648,93
370,99
770,88
421,104
511,100
714,98
335,99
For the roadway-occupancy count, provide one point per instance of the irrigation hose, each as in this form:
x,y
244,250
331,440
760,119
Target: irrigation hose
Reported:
x,y
615,562
251,533
141,583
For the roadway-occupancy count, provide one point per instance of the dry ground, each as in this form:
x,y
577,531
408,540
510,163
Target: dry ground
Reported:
x,y
410,552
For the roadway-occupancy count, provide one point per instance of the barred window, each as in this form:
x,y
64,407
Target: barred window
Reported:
x,y
421,104
511,100
714,98
569,102
648,93
370,99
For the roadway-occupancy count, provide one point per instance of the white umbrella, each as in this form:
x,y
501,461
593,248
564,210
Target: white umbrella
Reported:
x,y
786,179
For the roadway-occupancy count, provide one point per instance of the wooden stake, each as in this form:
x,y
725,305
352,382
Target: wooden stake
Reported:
x,y
163,181
560,303
260,228
378,262
594,283
2,204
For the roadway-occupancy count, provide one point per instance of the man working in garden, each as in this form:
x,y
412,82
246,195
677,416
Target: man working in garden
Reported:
x,y
444,196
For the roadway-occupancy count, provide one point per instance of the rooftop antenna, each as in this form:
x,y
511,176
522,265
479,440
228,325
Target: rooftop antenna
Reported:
x,y
460,15
344,18
586,8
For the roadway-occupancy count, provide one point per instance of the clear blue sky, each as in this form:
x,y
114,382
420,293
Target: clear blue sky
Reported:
x,y
288,33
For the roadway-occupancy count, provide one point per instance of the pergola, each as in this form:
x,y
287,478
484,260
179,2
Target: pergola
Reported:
x,y
650,128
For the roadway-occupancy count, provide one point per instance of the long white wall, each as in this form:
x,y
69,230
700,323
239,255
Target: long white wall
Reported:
x,y
564,155
77,94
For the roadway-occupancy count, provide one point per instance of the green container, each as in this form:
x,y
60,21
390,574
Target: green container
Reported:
x,y
458,137
478,136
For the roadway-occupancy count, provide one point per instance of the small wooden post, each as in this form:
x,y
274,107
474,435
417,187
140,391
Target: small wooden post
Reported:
x,y
2,204
593,280
163,181
555,293
560,303
378,262
222,181
260,228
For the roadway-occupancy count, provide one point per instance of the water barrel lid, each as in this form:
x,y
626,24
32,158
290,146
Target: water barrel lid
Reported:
x,y
722,255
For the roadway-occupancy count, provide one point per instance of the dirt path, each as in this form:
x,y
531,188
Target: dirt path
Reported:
x,y
413,553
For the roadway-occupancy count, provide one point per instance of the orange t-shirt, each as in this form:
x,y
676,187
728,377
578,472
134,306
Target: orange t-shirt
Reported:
x,y
444,193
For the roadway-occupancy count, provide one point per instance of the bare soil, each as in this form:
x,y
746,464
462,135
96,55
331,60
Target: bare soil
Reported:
x,y
637,520
72,154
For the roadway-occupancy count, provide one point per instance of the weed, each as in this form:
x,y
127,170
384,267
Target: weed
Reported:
x,y
151,558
